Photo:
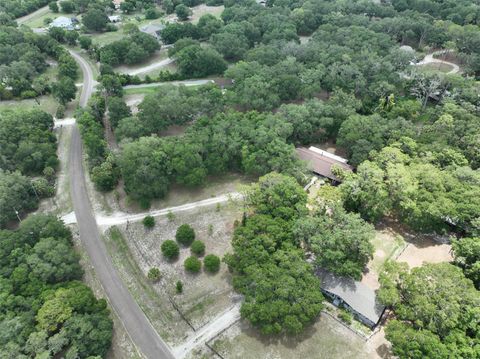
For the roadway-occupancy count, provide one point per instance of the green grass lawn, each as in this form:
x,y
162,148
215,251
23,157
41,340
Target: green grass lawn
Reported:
x,y
387,244
140,91
45,103
437,67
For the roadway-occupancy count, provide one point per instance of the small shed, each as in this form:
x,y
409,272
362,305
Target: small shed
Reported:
x,y
321,162
354,296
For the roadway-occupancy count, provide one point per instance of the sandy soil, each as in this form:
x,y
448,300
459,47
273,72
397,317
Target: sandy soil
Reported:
x,y
326,338
204,295
425,250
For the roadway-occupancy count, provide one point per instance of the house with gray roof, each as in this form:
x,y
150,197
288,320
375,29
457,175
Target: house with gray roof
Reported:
x,y
153,30
65,23
354,296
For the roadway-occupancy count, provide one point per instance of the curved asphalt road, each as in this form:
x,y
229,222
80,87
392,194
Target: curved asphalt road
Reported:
x,y
134,320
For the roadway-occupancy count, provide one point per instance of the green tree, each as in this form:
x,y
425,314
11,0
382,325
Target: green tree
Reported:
x,y
197,248
277,195
466,252
148,221
185,235
154,274
211,262
85,42
95,19
170,249
341,241
183,12
192,264
64,90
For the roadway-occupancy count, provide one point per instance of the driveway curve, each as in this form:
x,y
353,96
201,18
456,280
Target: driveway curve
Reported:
x,y
144,336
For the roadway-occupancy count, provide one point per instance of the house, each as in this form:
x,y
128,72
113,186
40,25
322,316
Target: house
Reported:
x,y
153,30
321,162
115,18
354,296
65,23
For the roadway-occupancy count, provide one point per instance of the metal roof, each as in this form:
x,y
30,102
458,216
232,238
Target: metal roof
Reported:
x,y
358,296
321,164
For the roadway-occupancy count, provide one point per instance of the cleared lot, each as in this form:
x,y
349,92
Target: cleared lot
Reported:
x,y
325,339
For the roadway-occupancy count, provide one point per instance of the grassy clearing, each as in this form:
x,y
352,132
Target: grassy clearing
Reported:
x,y
387,244
326,338
153,302
140,91
204,295
441,67
45,103
156,57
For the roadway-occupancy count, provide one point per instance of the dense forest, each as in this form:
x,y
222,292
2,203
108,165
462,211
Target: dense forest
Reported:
x,y
28,161
45,310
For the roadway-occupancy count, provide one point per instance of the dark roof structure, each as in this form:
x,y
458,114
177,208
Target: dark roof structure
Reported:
x,y
358,296
321,162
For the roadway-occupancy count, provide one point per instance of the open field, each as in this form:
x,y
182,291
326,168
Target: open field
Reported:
x,y
326,338
437,66
45,103
135,250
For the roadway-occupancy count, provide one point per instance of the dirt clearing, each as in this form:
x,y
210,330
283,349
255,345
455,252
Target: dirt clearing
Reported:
x,y
325,339
204,295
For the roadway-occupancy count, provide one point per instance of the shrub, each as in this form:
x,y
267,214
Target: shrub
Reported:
x,y
179,287
170,249
154,274
192,264
345,316
198,248
149,222
60,113
211,263
185,235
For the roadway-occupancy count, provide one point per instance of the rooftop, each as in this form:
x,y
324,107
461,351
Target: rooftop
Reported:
x,y
321,162
358,296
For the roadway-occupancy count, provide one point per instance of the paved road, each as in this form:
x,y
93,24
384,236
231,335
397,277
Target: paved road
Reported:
x,y
136,323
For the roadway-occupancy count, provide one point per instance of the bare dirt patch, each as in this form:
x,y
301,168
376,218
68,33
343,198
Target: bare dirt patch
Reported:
x,y
425,250
324,339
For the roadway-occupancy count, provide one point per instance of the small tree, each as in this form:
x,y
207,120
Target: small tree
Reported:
x,y
185,235
149,222
170,249
53,6
179,287
192,264
85,42
198,248
183,12
154,274
211,263
170,216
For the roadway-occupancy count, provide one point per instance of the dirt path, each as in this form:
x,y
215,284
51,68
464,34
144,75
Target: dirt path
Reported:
x,y
151,67
209,331
429,59
121,217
